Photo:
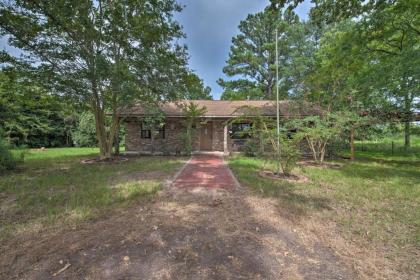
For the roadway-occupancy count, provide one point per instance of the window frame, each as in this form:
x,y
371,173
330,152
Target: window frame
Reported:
x,y
161,134
145,131
233,131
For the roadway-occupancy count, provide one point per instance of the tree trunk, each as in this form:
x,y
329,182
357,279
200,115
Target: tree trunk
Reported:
x,y
261,142
313,150
105,138
407,119
105,144
117,142
322,151
407,134
351,141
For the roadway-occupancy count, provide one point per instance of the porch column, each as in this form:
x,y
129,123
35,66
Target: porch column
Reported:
x,y
225,139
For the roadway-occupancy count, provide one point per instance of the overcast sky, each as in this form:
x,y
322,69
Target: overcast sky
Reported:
x,y
210,26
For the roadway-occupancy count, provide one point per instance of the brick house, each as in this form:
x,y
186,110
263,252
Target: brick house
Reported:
x,y
214,134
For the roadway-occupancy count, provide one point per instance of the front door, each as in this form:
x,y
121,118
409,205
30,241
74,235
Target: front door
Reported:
x,y
206,136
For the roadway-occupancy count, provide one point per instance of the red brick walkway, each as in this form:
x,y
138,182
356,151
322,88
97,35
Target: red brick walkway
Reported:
x,y
208,171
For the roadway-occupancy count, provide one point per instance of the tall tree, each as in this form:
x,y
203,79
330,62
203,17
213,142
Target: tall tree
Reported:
x,y
105,53
330,11
389,35
252,56
340,83
195,88
392,35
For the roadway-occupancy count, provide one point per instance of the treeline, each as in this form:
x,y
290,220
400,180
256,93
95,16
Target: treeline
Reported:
x,y
80,61
350,56
33,117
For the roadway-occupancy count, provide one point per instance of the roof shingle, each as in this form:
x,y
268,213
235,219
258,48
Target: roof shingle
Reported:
x,y
224,108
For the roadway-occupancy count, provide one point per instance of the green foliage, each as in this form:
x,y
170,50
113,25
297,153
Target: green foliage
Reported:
x,y
366,59
377,56
85,133
250,147
154,120
289,152
8,160
195,88
284,146
106,54
193,113
31,116
252,56
319,131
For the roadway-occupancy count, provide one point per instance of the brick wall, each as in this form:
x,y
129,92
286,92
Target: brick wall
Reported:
x,y
173,142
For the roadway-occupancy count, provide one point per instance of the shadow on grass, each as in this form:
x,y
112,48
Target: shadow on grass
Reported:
x,y
294,202
66,190
384,171
390,160
179,237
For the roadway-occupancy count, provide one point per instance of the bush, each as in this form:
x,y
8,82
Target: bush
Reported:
x,y
250,148
289,154
7,160
85,133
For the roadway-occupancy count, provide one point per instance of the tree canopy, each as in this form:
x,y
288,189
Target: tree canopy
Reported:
x,y
103,53
251,63
195,88
355,56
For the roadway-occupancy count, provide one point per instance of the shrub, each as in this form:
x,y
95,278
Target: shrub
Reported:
x,y
289,154
193,113
7,160
250,148
85,133
285,155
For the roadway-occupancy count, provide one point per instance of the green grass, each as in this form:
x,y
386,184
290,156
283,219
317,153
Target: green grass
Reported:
x,y
384,149
53,186
51,153
375,200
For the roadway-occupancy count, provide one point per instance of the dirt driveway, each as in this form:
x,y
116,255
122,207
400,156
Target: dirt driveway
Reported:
x,y
184,234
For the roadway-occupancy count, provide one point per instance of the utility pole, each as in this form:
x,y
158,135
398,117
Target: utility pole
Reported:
x,y
277,97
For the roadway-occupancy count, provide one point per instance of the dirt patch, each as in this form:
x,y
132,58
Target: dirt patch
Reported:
x,y
7,208
290,178
184,234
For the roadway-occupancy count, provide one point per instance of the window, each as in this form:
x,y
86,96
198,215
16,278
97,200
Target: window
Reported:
x,y
146,132
160,132
240,131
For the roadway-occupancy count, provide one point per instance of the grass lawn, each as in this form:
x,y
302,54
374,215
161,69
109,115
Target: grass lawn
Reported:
x,y
373,202
52,188
389,149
